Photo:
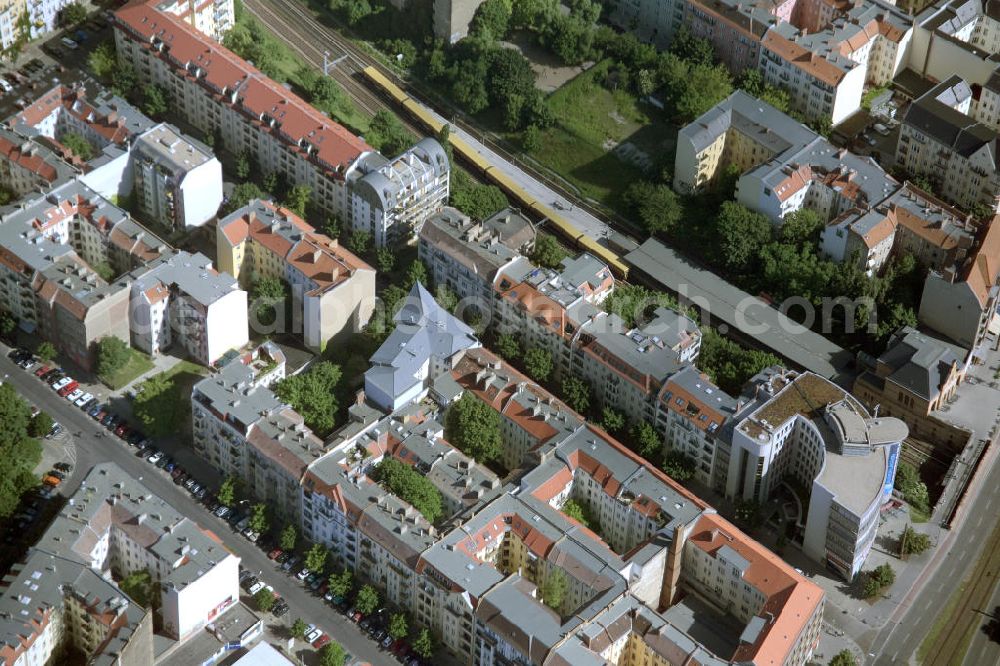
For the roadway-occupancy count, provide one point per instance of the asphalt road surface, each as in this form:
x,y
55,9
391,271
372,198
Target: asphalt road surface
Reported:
x,y
899,640
92,449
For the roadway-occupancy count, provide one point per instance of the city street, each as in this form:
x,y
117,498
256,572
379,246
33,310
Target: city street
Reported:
x,y
94,445
902,636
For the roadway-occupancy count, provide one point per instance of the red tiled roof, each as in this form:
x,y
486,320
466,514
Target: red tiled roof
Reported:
x,y
790,599
27,160
298,123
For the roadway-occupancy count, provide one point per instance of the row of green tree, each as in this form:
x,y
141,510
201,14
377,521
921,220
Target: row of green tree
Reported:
x,y
782,261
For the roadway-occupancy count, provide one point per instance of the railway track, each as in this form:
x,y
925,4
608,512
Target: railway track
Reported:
x,y
948,649
295,16
314,38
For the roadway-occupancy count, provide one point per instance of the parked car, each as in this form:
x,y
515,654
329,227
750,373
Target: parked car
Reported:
x,y
313,635
155,457
122,430
321,641
50,480
68,389
386,642
42,371
256,587
64,466
60,383
162,462
291,563
201,492
280,609
54,430
222,511
302,575
83,399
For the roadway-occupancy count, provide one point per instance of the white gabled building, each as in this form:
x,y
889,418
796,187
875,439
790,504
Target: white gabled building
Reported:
x,y
177,180
181,298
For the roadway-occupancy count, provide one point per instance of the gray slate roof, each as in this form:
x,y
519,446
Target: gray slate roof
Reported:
x,y
424,330
920,362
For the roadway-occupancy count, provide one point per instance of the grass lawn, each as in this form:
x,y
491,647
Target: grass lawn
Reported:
x,y
170,411
590,121
918,516
138,363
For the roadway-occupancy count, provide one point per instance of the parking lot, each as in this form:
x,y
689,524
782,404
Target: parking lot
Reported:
x,y
42,64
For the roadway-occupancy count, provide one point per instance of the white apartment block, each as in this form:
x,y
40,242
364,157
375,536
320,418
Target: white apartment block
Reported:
x,y
10,12
225,96
390,199
210,17
177,180
116,527
804,427
182,299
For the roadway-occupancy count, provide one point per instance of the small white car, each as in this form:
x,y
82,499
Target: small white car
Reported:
x,y
302,575
69,43
313,635
84,399
75,395
256,587
59,383
155,458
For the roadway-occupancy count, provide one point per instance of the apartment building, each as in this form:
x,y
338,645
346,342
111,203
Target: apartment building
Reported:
x,y
806,428
786,167
52,603
909,221
177,180
390,199
223,95
210,17
115,526
105,120
479,575
244,431
426,342
478,579
180,298
645,524
75,308
11,13
915,376
112,527
28,167
825,54
938,140
960,300
466,256
558,311
333,291
172,179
